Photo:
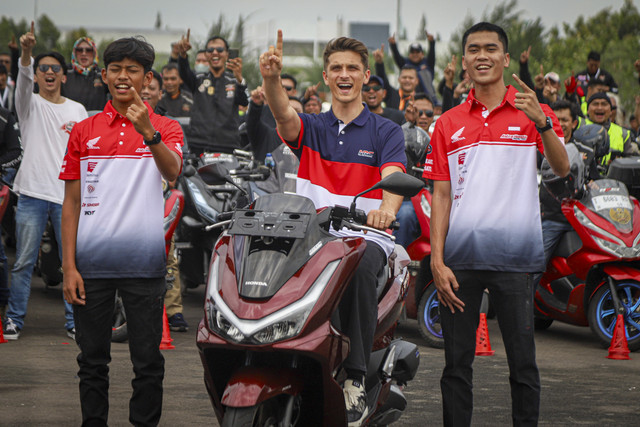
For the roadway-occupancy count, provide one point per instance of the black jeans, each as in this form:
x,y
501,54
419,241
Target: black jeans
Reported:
x,y
511,296
143,300
359,309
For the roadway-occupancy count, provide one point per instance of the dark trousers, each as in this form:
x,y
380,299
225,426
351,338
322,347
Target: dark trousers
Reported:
x,y
359,309
143,302
511,295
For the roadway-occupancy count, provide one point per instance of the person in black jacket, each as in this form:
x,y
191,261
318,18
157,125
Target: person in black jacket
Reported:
x,y
424,65
216,97
84,79
10,155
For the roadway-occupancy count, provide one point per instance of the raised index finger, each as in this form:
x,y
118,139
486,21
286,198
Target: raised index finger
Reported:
x,y
136,97
523,86
33,31
279,42
188,33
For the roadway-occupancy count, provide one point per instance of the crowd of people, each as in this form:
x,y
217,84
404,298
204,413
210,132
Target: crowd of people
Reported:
x,y
47,138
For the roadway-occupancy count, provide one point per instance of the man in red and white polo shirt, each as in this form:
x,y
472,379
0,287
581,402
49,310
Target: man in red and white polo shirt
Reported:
x,y
485,224
112,232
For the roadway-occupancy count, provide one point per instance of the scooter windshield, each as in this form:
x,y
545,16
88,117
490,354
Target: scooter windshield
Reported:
x,y
272,241
610,199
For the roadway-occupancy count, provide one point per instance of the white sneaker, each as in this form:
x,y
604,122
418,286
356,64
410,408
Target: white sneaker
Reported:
x,y
11,331
355,400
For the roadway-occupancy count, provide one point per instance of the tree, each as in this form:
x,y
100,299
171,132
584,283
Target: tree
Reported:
x,y
47,35
422,28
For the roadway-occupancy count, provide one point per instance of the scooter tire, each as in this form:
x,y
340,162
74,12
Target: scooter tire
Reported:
x,y
602,314
263,414
429,317
541,324
120,333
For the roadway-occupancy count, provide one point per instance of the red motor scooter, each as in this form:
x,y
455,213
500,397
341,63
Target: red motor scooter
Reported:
x,y
270,351
594,273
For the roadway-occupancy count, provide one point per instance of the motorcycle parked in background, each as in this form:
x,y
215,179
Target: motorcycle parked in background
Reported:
x,y
270,351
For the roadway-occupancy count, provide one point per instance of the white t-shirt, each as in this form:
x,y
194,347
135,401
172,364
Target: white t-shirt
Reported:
x,y
45,129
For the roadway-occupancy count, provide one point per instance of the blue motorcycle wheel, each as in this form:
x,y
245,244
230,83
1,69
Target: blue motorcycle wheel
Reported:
x,y
429,317
602,313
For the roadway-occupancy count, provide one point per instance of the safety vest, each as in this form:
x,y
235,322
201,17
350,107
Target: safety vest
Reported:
x,y
618,137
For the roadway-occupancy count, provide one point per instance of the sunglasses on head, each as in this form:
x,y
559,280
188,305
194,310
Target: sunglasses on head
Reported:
x,y
45,67
368,88
287,88
428,113
84,49
218,49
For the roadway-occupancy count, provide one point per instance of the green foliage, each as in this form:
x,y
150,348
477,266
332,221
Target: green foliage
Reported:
x,y
65,46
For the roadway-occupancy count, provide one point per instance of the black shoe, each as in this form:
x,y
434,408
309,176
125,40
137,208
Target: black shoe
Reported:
x,y
177,323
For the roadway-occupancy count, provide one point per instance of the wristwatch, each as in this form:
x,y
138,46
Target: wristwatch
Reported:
x,y
157,138
546,127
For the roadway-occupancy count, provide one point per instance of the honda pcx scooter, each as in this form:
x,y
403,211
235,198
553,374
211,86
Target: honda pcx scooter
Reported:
x,y
594,273
270,351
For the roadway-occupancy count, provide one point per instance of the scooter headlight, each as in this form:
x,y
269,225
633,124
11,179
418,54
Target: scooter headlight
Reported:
x,y
280,325
202,206
614,246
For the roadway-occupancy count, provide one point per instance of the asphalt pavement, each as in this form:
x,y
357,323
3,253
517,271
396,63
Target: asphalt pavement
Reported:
x,y
580,386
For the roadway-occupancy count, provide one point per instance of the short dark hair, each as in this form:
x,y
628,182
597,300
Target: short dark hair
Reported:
x,y
290,77
343,44
170,66
408,67
422,95
226,45
55,55
596,82
566,105
487,26
593,55
157,76
134,48
3,69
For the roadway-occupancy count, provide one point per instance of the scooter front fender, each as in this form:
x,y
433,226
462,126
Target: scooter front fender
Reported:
x,y
250,385
622,272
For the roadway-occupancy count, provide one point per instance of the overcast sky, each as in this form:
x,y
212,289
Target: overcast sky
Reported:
x,y
294,16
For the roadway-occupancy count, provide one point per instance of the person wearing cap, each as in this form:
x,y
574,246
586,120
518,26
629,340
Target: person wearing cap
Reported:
x,y
424,65
84,79
373,93
599,112
594,72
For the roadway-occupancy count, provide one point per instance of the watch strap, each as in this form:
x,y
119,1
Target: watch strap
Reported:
x,y
157,138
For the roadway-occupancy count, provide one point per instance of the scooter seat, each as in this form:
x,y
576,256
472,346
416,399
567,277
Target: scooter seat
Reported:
x,y
569,244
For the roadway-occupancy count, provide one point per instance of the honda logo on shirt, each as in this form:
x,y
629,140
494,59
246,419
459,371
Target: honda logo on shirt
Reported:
x,y
91,144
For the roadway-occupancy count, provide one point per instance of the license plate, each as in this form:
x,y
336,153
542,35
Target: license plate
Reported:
x,y
611,201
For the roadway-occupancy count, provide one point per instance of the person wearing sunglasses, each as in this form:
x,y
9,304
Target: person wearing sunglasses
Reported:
x,y
217,94
84,81
373,93
46,120
420,112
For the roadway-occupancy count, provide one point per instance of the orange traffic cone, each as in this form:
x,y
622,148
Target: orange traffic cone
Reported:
x,y
165,344
619,349
483,346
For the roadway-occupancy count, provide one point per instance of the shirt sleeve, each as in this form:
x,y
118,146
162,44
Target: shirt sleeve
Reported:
x,y
556,127
70,169
172,135
436,163
393,152
24,91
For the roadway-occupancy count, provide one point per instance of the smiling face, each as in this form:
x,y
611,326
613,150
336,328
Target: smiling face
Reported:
x,y
171,81
599,111
345,75
408,80
373,94
152,93
120,77
84,54
425,113
566,122
49,81
217,60
484,58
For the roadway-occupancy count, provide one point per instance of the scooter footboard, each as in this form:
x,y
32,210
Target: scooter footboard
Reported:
x,y
250,386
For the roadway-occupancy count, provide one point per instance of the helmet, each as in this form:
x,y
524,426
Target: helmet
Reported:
x,y
416,141
595,137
